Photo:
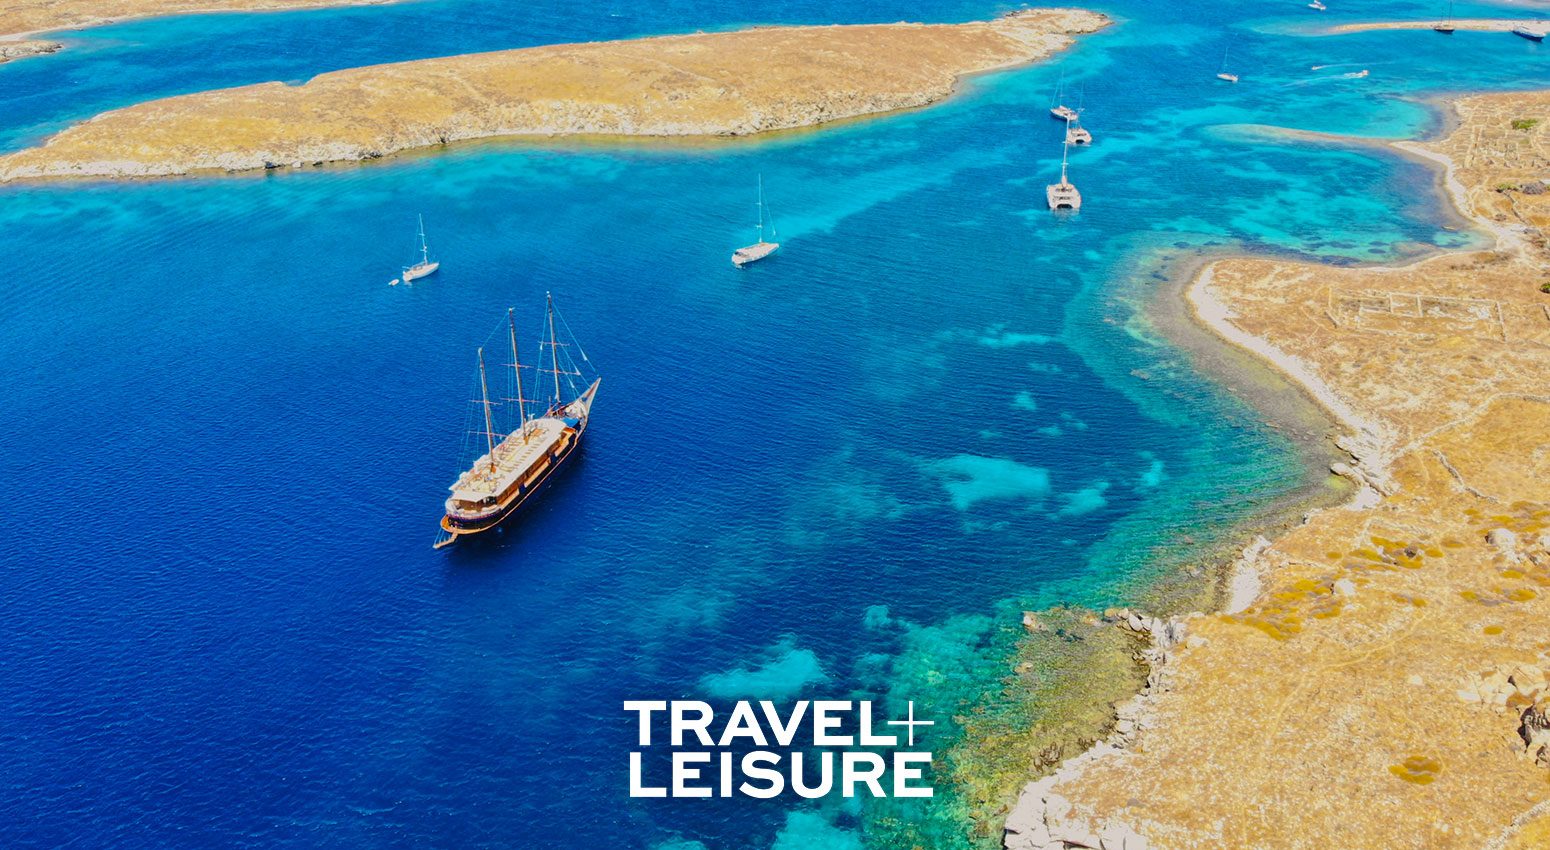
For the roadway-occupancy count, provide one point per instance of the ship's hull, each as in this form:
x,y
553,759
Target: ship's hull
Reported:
x,y
423,270
460,522
462,526
1531,35
753,253
1063,196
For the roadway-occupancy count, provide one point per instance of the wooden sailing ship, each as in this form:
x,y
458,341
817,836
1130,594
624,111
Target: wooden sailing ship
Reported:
x,y
516,464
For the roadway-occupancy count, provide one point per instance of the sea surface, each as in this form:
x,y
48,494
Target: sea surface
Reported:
x,y
227,439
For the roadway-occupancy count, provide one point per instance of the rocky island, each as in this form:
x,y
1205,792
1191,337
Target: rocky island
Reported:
x,y
25,17
1382,679
708,84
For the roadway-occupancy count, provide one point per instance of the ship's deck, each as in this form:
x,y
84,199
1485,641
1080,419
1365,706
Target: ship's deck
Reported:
x,y
513,458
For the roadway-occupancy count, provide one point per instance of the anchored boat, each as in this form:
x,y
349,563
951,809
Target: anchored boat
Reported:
x,y
760,249
1058,110
1222,73
1445,26
1063,195
517,462
424,267
1529,32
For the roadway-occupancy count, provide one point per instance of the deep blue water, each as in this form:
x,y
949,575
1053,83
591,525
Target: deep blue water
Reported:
x,y
227,440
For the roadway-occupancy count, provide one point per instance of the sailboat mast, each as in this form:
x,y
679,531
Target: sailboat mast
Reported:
x,y
516,373
489,428
761,207
1064,149
554,348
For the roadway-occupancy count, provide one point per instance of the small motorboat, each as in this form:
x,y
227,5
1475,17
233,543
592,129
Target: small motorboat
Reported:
x,y
1529,33
1316,4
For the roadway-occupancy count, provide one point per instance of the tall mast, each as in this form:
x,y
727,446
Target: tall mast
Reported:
x,y
425,254
554,348
761,207
1064,148
489,428
516,373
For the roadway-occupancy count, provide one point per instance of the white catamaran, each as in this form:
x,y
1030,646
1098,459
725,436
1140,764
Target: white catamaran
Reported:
x,y
1063,195
760,249
424,267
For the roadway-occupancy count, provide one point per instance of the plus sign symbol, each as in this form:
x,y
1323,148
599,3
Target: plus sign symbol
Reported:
x,y
911,723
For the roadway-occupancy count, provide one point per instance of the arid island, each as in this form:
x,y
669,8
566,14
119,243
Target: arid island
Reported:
x,y
19,18
1382,679
707,84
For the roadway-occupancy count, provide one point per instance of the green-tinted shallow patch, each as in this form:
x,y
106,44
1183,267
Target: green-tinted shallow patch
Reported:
x,y
1053,700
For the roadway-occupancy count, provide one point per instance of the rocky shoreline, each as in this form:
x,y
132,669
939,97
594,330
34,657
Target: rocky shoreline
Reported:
x,y
20,19
709,84
10,50
1421,592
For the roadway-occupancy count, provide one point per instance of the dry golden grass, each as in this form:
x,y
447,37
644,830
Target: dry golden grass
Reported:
x,y
730,83
1371,697
29,16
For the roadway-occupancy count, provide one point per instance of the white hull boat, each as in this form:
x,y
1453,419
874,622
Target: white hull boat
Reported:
x,y
424,267
760,249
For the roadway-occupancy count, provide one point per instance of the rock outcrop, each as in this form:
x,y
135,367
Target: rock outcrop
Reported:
x,y
22,49
1045,820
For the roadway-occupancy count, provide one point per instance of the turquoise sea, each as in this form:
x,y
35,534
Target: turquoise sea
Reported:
x,y
846,468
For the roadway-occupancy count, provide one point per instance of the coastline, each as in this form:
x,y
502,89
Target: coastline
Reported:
x,y
680,86
1046,815
22,21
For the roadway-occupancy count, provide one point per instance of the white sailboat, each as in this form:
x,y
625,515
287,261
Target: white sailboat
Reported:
x,y
424,266
1058,110
760,249
1222,73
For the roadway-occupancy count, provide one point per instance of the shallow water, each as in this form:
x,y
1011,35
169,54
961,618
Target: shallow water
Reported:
x,y
229,439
